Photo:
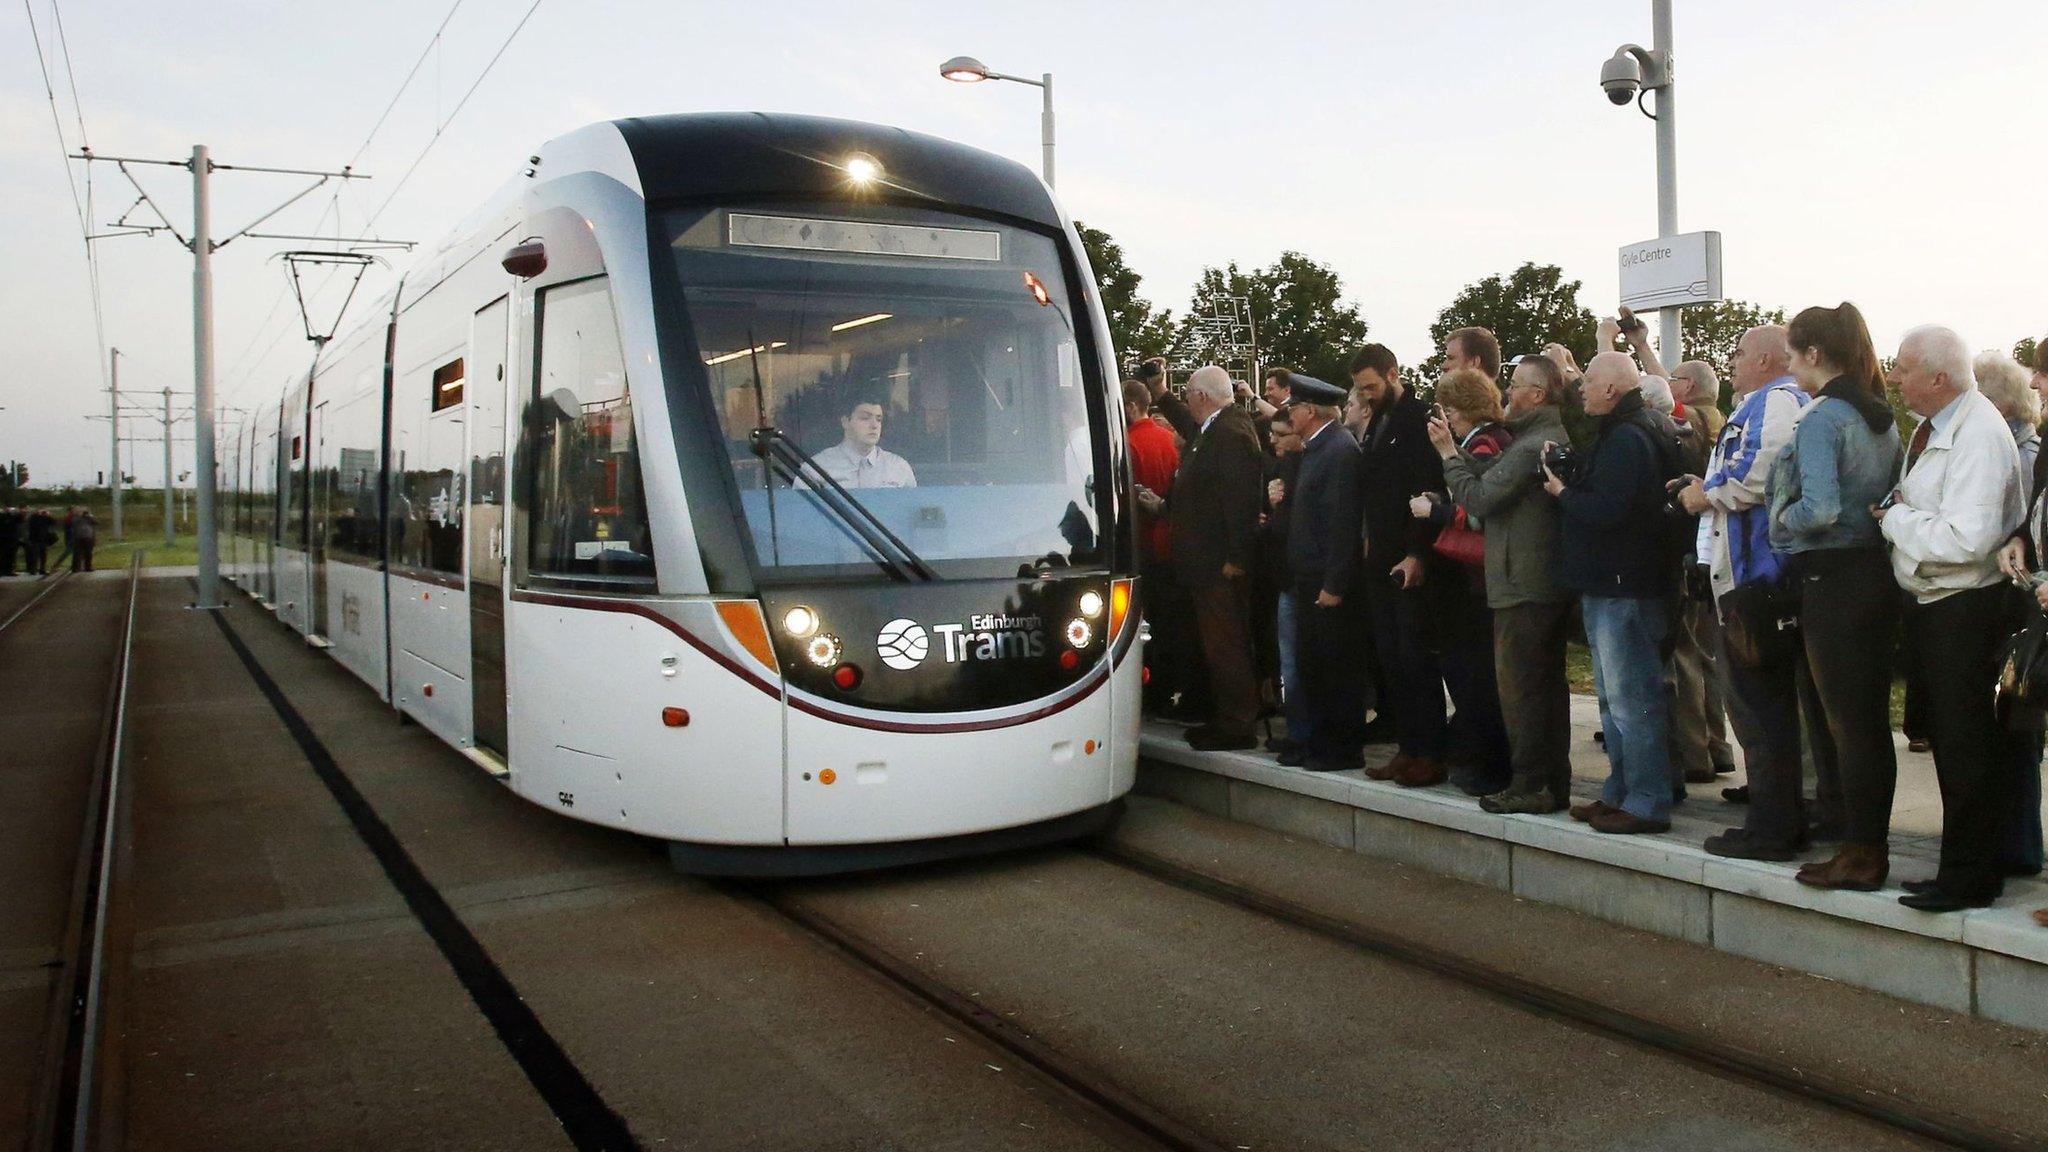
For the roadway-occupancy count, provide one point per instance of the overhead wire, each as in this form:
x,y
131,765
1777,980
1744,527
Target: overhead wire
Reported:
x,y
452,114
78,205
335,206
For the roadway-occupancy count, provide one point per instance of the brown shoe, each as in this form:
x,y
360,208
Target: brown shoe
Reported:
x,y
2041,917
1856,868
1422,772
1584,813
1390,769
1616,822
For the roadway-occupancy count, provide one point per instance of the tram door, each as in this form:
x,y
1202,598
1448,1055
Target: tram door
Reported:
x,y
318,480
487,524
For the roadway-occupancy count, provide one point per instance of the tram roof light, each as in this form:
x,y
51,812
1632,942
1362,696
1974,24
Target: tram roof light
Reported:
x,y
863,169
858,321
964,70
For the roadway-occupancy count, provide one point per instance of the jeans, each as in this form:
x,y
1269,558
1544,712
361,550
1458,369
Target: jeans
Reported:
x,y
1299,726
1535,696
1635,701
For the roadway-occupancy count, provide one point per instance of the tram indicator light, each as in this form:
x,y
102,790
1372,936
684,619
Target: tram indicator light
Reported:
x,y
846,677
1091,604
1069,660
1119,604
675,717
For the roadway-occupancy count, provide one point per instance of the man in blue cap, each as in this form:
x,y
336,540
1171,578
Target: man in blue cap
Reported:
x,y
1322,562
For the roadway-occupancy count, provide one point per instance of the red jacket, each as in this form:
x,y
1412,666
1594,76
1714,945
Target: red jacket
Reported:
x,y
1154,460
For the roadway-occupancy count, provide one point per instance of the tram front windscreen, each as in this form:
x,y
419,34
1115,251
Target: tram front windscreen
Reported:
x,y
928,365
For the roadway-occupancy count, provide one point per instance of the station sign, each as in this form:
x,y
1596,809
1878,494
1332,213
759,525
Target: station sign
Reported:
x,y
1671,272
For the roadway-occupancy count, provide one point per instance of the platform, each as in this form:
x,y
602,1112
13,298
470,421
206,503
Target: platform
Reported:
x,y
1991,962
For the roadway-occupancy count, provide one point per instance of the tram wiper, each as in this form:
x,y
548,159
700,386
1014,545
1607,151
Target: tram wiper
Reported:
x,y
774,445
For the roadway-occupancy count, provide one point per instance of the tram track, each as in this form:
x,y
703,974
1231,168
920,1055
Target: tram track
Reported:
x,y
1705,1052
49,585
64,1108
1136,1120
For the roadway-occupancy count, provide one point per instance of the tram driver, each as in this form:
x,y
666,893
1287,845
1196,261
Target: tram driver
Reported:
x,y
859,460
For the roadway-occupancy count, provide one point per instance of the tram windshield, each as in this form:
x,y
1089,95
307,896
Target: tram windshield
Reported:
x,y
926,364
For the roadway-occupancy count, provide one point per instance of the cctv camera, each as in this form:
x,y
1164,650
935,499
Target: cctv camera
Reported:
x,y
1621,77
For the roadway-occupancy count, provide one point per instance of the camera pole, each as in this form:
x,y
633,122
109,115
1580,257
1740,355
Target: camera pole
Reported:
x,y
1670,347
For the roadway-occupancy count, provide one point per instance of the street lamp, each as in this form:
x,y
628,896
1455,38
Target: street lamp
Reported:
x,y
1627,76
968,70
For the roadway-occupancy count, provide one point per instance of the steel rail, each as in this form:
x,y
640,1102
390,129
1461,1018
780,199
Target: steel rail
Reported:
x,y
1136,1119
50,587
64,1100
1729,1060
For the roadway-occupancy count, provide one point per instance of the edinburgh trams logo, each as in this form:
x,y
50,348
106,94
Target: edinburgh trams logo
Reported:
x,y
904,644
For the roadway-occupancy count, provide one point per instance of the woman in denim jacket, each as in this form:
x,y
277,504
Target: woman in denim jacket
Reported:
x,y
1843,459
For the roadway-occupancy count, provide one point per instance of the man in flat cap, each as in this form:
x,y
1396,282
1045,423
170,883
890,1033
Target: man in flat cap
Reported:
x,y
1328,713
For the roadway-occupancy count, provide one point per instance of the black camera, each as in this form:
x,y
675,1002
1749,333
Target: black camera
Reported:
x,y
1563,461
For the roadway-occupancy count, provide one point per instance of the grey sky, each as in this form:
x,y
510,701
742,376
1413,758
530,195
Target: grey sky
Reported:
x,y
1883,152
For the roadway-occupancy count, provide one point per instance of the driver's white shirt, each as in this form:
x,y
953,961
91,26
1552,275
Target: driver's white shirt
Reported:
x,y
877,469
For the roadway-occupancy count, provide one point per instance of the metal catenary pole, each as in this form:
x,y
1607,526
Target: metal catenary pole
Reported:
x,y
202,374
114,432
1672,348
170,533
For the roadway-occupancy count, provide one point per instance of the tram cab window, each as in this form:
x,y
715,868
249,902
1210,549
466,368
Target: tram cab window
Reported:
x,y
589,518
943,386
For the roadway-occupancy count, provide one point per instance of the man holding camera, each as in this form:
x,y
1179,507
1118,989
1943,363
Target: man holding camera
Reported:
x,y
1397,463
1614,553
1531,611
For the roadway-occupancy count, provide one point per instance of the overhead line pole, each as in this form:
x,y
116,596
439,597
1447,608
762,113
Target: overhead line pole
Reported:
x,y
114,426
202,246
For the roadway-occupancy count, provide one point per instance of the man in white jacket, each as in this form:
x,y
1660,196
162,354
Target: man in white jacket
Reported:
x,y
1960,499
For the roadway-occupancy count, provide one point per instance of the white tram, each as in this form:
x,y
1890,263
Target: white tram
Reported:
x,y
590,496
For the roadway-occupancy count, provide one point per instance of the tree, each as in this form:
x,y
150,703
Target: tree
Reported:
x,y
1298,314
1532,306
2025,352
1135,330
1711,332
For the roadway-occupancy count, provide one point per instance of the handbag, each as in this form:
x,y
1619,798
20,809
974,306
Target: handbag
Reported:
x,y
2022,700
1760,619
1460,542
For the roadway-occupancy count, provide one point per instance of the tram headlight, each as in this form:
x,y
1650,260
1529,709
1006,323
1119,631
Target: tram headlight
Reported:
x,y
1079,633
823,650
799,621
1091,604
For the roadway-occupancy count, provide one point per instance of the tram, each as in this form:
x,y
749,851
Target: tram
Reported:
x,y
753,482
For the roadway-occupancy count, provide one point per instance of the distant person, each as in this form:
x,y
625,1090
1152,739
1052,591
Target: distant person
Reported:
x,y
1960,500
859,460
41,533
1165,405
85,533
1154,460
11,525
1698,388
1473,348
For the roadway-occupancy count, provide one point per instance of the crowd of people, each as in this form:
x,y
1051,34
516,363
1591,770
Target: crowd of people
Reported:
x,y
28,534
1354,564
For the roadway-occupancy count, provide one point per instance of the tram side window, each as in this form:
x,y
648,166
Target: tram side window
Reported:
x,y
589,521
448,385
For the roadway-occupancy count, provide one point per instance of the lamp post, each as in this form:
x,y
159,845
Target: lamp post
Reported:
x,y
968,70
1629,75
